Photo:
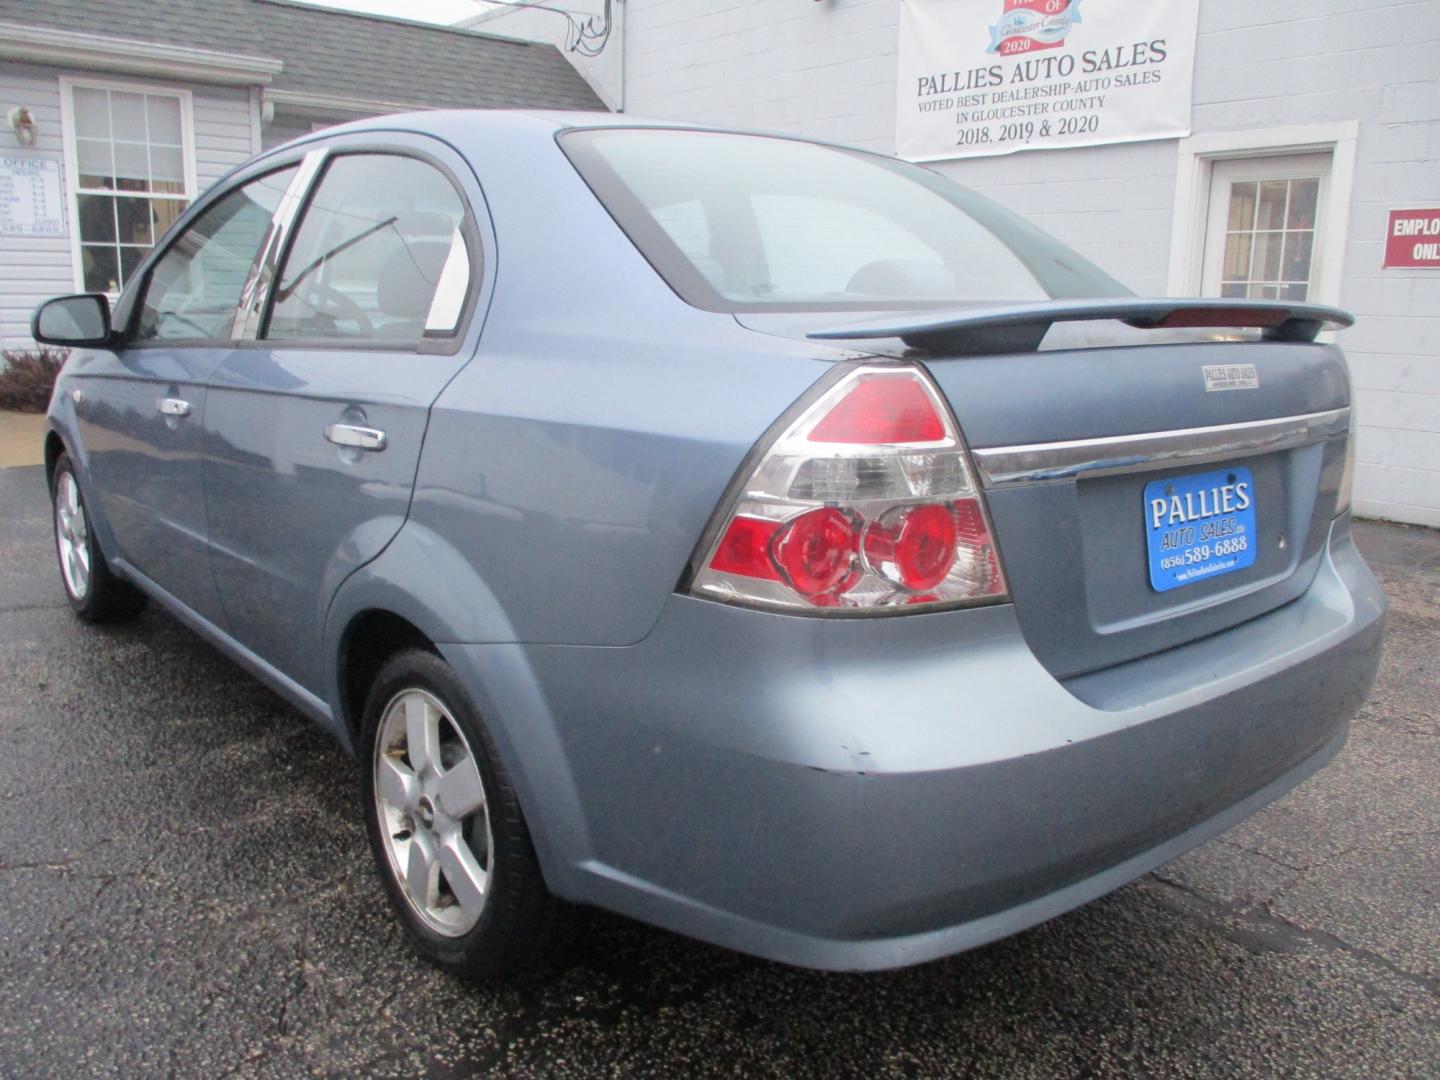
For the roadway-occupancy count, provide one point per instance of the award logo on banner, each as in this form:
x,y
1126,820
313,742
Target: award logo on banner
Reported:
x,y
1028,25
986,77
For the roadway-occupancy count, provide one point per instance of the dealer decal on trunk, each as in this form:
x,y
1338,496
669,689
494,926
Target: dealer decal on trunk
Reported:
x,y
1231,377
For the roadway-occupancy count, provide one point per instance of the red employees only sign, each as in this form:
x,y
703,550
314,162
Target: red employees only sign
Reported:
x,y
1413,239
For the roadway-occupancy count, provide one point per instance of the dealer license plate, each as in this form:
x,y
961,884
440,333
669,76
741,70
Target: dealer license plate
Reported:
x,y
1199,527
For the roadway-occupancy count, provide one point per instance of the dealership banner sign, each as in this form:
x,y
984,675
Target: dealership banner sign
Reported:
x,y
985,77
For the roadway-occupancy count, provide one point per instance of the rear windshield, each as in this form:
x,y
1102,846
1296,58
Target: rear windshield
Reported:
x,y
758,223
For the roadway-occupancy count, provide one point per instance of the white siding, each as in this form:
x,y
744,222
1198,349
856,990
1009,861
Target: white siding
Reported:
x,y
828,70
223,132
32,270
283,130
603,72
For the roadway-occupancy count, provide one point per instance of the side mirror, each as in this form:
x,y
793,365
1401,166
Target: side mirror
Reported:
x,y
82,320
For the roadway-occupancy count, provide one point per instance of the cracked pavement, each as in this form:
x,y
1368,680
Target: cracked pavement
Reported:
x,y
186,891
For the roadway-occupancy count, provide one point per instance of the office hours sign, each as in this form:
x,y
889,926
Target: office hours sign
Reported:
x,y
30,196
985,77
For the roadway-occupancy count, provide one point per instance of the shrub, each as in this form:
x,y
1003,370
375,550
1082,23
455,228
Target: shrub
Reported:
x,y
28,378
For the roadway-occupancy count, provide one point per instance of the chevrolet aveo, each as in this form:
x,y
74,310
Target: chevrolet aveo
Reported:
x,y
767,540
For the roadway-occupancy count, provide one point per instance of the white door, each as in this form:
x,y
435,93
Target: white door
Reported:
x,y
1263,237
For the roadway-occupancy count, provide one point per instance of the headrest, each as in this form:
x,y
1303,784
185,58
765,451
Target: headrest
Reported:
x,y
420,223
408,278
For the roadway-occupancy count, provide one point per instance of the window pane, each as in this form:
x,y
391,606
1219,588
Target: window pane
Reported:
x,y
97,219
132,167
92,113
794,225
1233,292
127,116
164,115
166,212
1296,263
1242,206
368,252
689,229
167,169
1304,195
1272,204
1237,257
1267,257
1264,292
1295,292
135,221
99,268
196,285
92,161
819,246
130,259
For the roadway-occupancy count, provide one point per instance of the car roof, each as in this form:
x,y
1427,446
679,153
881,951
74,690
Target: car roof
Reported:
x,y
467,128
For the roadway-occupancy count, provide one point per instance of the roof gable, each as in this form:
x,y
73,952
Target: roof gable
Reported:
x,y
338,54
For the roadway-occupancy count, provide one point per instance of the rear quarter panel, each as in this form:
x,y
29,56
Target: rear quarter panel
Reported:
x,y
572,466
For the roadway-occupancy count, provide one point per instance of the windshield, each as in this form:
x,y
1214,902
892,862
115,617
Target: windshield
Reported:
x,y
759,223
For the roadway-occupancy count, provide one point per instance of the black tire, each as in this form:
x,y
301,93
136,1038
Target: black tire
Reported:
x,y
522,929
103,597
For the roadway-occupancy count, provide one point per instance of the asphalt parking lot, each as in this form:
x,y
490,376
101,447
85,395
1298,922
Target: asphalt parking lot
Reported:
x,y
185,890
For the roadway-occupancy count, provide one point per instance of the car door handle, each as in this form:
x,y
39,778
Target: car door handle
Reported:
x,y
173,406
362,438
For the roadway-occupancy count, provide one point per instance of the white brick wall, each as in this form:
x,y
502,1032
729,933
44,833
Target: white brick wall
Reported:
x,y
31,269
828,70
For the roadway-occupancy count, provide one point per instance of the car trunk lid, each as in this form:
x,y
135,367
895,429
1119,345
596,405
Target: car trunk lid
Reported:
x,y
1079,425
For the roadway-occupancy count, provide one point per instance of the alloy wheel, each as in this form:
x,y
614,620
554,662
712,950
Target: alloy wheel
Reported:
x,y
72,536
433,813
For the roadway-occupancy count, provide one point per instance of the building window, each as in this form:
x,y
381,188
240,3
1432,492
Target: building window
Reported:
x,y
129,161
1264,233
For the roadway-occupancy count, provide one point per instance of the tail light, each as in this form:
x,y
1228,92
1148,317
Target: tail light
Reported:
x,y
865,503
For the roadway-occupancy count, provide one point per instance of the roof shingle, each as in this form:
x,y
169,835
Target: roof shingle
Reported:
x,y
338,53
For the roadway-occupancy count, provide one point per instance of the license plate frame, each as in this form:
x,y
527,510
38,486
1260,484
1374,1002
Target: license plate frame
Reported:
x,y
1200,526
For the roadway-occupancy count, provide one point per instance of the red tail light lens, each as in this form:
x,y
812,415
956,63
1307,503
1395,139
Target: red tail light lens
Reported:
x,y
865,502
881,411
817,552
745,549
914,545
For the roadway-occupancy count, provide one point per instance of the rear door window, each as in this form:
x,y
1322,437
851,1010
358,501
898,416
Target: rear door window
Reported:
x,y
379,256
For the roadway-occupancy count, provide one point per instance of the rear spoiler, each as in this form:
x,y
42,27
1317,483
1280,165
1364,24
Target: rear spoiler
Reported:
x,y
1022,327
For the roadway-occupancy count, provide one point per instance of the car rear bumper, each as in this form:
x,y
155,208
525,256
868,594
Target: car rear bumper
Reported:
x,y
866,794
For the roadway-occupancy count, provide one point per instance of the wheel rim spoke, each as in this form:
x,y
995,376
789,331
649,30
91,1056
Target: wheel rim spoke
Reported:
x,y
422,733
464,875
398,785
422,873
460,790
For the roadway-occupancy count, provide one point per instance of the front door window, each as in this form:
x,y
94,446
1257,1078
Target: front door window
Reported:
x,y
196,285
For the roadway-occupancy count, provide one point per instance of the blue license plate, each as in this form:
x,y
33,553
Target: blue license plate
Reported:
x,y
1200,527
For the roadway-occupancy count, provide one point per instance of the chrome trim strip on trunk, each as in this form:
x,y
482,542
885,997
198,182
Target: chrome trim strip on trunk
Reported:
x,y
1005,466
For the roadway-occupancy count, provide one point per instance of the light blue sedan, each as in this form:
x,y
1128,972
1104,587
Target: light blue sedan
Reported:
x,y
767,540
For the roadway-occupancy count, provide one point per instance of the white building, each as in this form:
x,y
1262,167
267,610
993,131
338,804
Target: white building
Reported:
x,y
118,114
1335,100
